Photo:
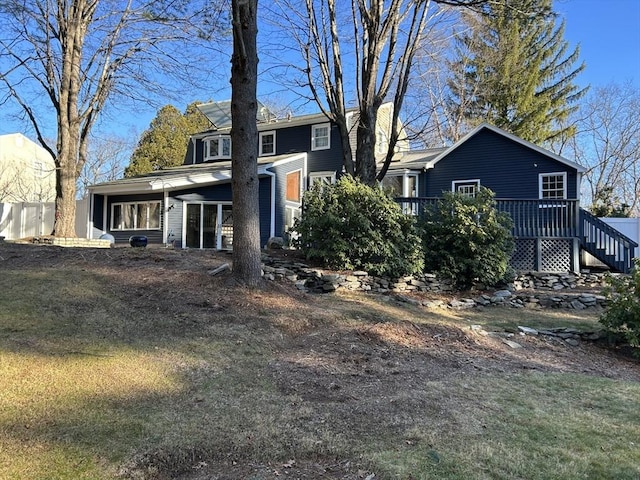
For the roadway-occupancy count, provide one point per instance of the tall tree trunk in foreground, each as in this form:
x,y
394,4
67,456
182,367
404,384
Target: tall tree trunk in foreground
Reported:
x,y
244,138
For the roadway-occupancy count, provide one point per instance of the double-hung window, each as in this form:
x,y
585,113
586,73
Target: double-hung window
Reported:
x,y
217,148
321,136
267,143
135,216
468,188
553,186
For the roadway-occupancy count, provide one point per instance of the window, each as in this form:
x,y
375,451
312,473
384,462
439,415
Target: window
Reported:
x,y
382,142
267,143
293,187
553,185
468,188
38,168
217,148
291,214
324,178
404,185
320,137
135,216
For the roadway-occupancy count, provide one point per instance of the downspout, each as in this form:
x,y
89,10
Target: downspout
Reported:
x,y
272,227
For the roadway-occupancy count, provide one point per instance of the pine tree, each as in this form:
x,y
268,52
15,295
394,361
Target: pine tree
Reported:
x,y
513,70
165,143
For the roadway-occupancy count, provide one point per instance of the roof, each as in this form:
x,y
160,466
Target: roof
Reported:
x,y
185,176
426,159
273,124
415,159
510,136
219,113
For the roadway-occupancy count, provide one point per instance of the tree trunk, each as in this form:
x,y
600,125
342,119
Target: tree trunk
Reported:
x,y
366,144
244,138
65,216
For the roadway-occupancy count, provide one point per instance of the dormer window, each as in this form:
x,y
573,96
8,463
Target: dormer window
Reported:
x,y
267,143
321,136
217,148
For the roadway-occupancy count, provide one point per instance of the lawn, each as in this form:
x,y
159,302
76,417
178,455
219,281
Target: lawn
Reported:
x,y
137,364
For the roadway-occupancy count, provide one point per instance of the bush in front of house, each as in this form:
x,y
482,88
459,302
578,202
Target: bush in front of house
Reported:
x,y
352,226
466,239
622,316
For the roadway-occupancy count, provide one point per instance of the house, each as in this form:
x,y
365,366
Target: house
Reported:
x,y
27,171
190,206
537,188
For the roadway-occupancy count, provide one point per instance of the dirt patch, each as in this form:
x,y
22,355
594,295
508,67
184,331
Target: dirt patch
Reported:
x,y
347,362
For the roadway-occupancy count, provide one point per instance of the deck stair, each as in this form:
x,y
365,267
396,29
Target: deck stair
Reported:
x,y
606,243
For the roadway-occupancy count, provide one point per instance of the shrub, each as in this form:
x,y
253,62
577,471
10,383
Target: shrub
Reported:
x,y
466,239
350,225
622,316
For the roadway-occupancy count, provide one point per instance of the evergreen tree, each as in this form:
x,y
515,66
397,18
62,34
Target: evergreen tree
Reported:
x,y
513,70
165,143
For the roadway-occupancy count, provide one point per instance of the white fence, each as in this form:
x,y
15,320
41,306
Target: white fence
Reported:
x,y
21,220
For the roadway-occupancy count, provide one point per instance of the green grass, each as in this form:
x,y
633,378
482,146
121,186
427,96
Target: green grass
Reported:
x,y
103,380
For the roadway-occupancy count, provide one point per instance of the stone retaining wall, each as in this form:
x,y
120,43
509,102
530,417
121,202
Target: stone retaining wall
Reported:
x,y
73,242
531,290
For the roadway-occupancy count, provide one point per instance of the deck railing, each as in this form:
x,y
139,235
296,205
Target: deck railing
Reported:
x,y
606,243
532,218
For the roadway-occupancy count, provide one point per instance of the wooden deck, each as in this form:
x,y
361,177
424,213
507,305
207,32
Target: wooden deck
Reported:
x,y
556,219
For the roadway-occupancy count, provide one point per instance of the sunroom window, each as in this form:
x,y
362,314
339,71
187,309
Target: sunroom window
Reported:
x,y
217,148
401,185
135,216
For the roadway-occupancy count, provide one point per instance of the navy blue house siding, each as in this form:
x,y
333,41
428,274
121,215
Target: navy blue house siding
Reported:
x,y
98,207
508,168
281,190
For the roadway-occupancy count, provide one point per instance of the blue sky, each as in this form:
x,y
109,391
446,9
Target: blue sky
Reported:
x,y
608,32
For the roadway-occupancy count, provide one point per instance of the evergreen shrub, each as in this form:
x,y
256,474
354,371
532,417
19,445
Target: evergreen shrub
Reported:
x,y
622,316
467,240
350,225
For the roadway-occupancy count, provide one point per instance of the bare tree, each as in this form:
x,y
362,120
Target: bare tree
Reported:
x,y
607,143
106,160
380,39
71,56
244,137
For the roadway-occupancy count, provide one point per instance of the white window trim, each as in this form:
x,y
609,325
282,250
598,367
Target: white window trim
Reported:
x,y
135,221
262,134
318,176
553,174
220,204
473,181
313,136
405,182
206,154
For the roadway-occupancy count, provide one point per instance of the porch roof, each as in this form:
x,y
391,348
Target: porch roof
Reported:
x,y
174,178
